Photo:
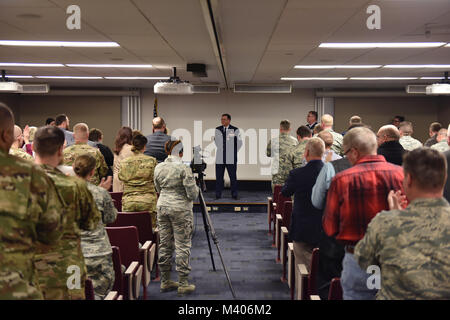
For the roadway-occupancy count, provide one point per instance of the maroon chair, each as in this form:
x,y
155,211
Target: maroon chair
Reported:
x,y
335,292
118,275
117,196
89,289
126,238
287,212
279,220
271,205
143,222
313,272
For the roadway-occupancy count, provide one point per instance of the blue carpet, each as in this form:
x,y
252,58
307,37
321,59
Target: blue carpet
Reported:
x,y
248,256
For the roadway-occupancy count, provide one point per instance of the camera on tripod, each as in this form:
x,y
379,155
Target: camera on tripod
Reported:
x,y
198,167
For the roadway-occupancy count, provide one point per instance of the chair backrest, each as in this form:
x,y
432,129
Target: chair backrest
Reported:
x,y
335,292
126,238
89,289
314,271
287,212
141,220
280,203
118,197
276,192
117,263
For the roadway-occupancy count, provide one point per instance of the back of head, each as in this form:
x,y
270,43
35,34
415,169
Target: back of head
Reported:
x,y
355,119
95,134
285,125
316,147
304,132
327,138
32,133
406,128
442,135
318,129
124,136
362,139
173,147
435,127
81,132
48,140
158,123
357,125
49,121
327,120
138,142
427,167
83,165
60,119
390,131
7,126
17,132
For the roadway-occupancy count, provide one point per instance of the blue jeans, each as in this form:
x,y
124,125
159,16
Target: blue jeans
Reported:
x,y
354,280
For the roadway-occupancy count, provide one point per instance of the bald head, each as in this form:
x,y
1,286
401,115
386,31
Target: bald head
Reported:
x,y
387,133
327,121
81,132
158,124
6,127
327,138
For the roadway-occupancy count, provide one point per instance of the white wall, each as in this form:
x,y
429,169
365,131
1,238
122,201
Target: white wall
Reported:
x,y
258,112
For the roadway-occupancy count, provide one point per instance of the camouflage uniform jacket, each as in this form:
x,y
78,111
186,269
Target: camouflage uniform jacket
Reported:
x,y
75,150
176,184
30,211
441,146
338,139
295,156
79,213
409,143
96,243
137,173
21,154
412,249
279,148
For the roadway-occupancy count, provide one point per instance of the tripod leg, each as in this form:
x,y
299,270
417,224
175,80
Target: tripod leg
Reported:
x,y
206,225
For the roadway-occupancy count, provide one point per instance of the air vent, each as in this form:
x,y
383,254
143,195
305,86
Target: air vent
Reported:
x,y
206,89
416,89
35,88
262,88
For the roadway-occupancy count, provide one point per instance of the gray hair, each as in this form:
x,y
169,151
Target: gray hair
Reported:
x,y
316,147
362,139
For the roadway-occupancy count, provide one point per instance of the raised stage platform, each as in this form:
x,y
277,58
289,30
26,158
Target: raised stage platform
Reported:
x,y
248,201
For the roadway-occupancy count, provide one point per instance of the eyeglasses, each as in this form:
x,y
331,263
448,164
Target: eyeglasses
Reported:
x,y
345,153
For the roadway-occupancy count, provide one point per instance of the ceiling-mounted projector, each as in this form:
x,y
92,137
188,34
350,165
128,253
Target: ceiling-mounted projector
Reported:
x,y
438,88
173,86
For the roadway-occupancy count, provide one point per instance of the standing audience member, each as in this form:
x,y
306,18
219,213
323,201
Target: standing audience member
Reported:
x,y
30,214
311,120
306,221
62,122
95,244
406,140
447,155
411,245
355,196
81,135
329,154
295,156
16,147
80,213
388,145
441,139
96,136
352,121
157,140
137,174
177,190
122,151
50,122
397,120
327,125
433,132
278,149
317,130
28,136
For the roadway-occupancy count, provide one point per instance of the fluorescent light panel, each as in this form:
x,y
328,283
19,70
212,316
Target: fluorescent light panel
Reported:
x,y
86,44
69,77
145,66
431,78
314,78
363,45
413,66
137,78
337,66
18,77
14,64
383,78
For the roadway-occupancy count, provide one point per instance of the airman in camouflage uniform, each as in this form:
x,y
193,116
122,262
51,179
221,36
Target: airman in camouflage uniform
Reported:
x,y
21,154
96,247
16,149
441,146
30,211
295,156
279,148
409,143
79,148
53,261
177,188
137,173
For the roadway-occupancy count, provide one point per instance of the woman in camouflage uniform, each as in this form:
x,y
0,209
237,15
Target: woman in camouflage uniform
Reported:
x,y
136,173
176,185
95,244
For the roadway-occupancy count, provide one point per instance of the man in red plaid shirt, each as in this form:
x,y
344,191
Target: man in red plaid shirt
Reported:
x,y
355,196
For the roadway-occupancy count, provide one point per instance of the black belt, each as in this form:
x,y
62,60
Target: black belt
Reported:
x,y
350,249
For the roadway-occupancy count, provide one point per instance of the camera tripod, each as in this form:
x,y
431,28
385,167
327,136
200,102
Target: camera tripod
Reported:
x,y
209,228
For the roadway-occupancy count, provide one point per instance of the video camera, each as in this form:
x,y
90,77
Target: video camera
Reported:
x,y
198,166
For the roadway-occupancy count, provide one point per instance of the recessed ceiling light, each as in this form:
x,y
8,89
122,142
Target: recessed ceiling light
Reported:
x,y
14,64
314,78
383,78
337,66
110,65
69,77
57,43
412,66
137,78
363,45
